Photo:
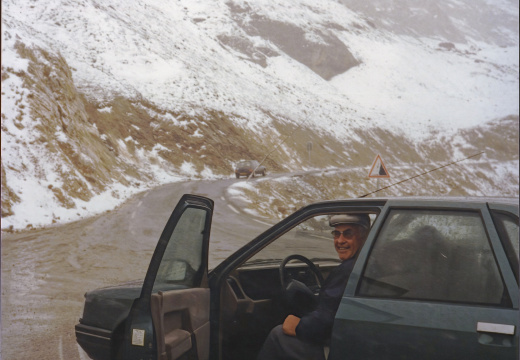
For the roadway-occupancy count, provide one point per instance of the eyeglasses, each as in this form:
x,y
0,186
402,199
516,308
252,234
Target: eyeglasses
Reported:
x,y
347,234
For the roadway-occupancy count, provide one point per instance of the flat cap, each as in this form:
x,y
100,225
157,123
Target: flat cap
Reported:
x,y
358,219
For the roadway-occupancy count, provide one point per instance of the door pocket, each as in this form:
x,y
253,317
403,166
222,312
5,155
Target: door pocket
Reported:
x,y
181,323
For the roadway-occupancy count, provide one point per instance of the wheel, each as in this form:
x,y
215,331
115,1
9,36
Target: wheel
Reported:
x,y
253,174
263,173
237,176
301,298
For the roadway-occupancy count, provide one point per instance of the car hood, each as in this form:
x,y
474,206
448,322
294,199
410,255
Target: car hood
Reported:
x,y
107,307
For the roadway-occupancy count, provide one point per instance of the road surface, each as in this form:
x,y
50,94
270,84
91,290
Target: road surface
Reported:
x,y
46,272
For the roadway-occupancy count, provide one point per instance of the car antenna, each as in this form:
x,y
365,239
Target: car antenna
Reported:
x,y
277,146
426,172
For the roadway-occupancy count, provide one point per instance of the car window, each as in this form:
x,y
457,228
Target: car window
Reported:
x,y
507,228
244,164
182,258
311,238
433,255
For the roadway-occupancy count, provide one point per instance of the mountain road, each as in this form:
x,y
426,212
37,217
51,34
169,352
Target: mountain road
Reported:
x,y
45,272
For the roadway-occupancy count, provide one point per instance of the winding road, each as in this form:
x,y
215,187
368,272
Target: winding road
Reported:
x,y
45,272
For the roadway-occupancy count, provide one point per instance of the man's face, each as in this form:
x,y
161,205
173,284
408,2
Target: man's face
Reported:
x,y
347,246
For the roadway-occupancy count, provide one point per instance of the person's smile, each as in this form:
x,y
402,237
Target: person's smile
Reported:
x,y
346,241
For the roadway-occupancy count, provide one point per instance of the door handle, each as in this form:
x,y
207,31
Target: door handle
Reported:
x,y
495,328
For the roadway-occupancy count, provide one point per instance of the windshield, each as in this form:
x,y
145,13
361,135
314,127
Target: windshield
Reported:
x,y
244,164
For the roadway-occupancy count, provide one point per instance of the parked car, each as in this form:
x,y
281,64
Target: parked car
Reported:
x,y
248,167
435,279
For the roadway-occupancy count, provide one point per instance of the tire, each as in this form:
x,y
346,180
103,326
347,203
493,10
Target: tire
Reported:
x,y
237,176
253,175
263,173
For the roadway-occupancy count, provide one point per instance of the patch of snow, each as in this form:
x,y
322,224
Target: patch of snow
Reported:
x,y
188,169
197,133
60,136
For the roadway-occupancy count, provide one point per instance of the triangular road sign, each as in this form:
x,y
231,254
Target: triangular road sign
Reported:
x,y
378,169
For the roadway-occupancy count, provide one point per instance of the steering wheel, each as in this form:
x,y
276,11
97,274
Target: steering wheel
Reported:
x,y
300,296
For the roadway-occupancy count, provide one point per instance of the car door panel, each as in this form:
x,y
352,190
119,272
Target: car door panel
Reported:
x,y
181,322
171,316
388,329
438,318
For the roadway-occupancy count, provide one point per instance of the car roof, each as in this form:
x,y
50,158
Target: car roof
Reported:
x,y
511,201
468,199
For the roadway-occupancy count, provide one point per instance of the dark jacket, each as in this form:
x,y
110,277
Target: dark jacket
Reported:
x,y
316,327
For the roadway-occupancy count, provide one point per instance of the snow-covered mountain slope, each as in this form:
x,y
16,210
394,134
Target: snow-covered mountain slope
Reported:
x,y
101,99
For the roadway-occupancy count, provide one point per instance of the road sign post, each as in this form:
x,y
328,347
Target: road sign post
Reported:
x,y
309,149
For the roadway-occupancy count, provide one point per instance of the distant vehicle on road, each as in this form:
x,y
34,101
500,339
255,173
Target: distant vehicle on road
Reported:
x,y
248,167
437,278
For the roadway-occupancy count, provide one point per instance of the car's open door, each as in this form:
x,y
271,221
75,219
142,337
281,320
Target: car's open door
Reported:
x,y
171,317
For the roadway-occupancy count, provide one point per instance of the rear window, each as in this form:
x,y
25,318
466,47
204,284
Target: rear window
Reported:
x,y
434,255
244,164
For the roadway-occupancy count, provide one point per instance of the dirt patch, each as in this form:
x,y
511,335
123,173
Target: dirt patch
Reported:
x,y
327,56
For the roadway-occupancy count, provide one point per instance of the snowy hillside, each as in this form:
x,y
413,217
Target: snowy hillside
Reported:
x,y
102,99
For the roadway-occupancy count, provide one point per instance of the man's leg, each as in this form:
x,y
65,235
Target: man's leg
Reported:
x,y
279,346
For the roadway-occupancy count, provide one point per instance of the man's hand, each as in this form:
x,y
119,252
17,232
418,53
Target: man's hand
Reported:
x,y
289,325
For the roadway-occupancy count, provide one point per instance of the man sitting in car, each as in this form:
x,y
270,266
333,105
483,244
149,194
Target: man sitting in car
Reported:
x,y
303,338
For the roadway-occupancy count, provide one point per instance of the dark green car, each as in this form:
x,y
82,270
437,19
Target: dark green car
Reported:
x,y
436,279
